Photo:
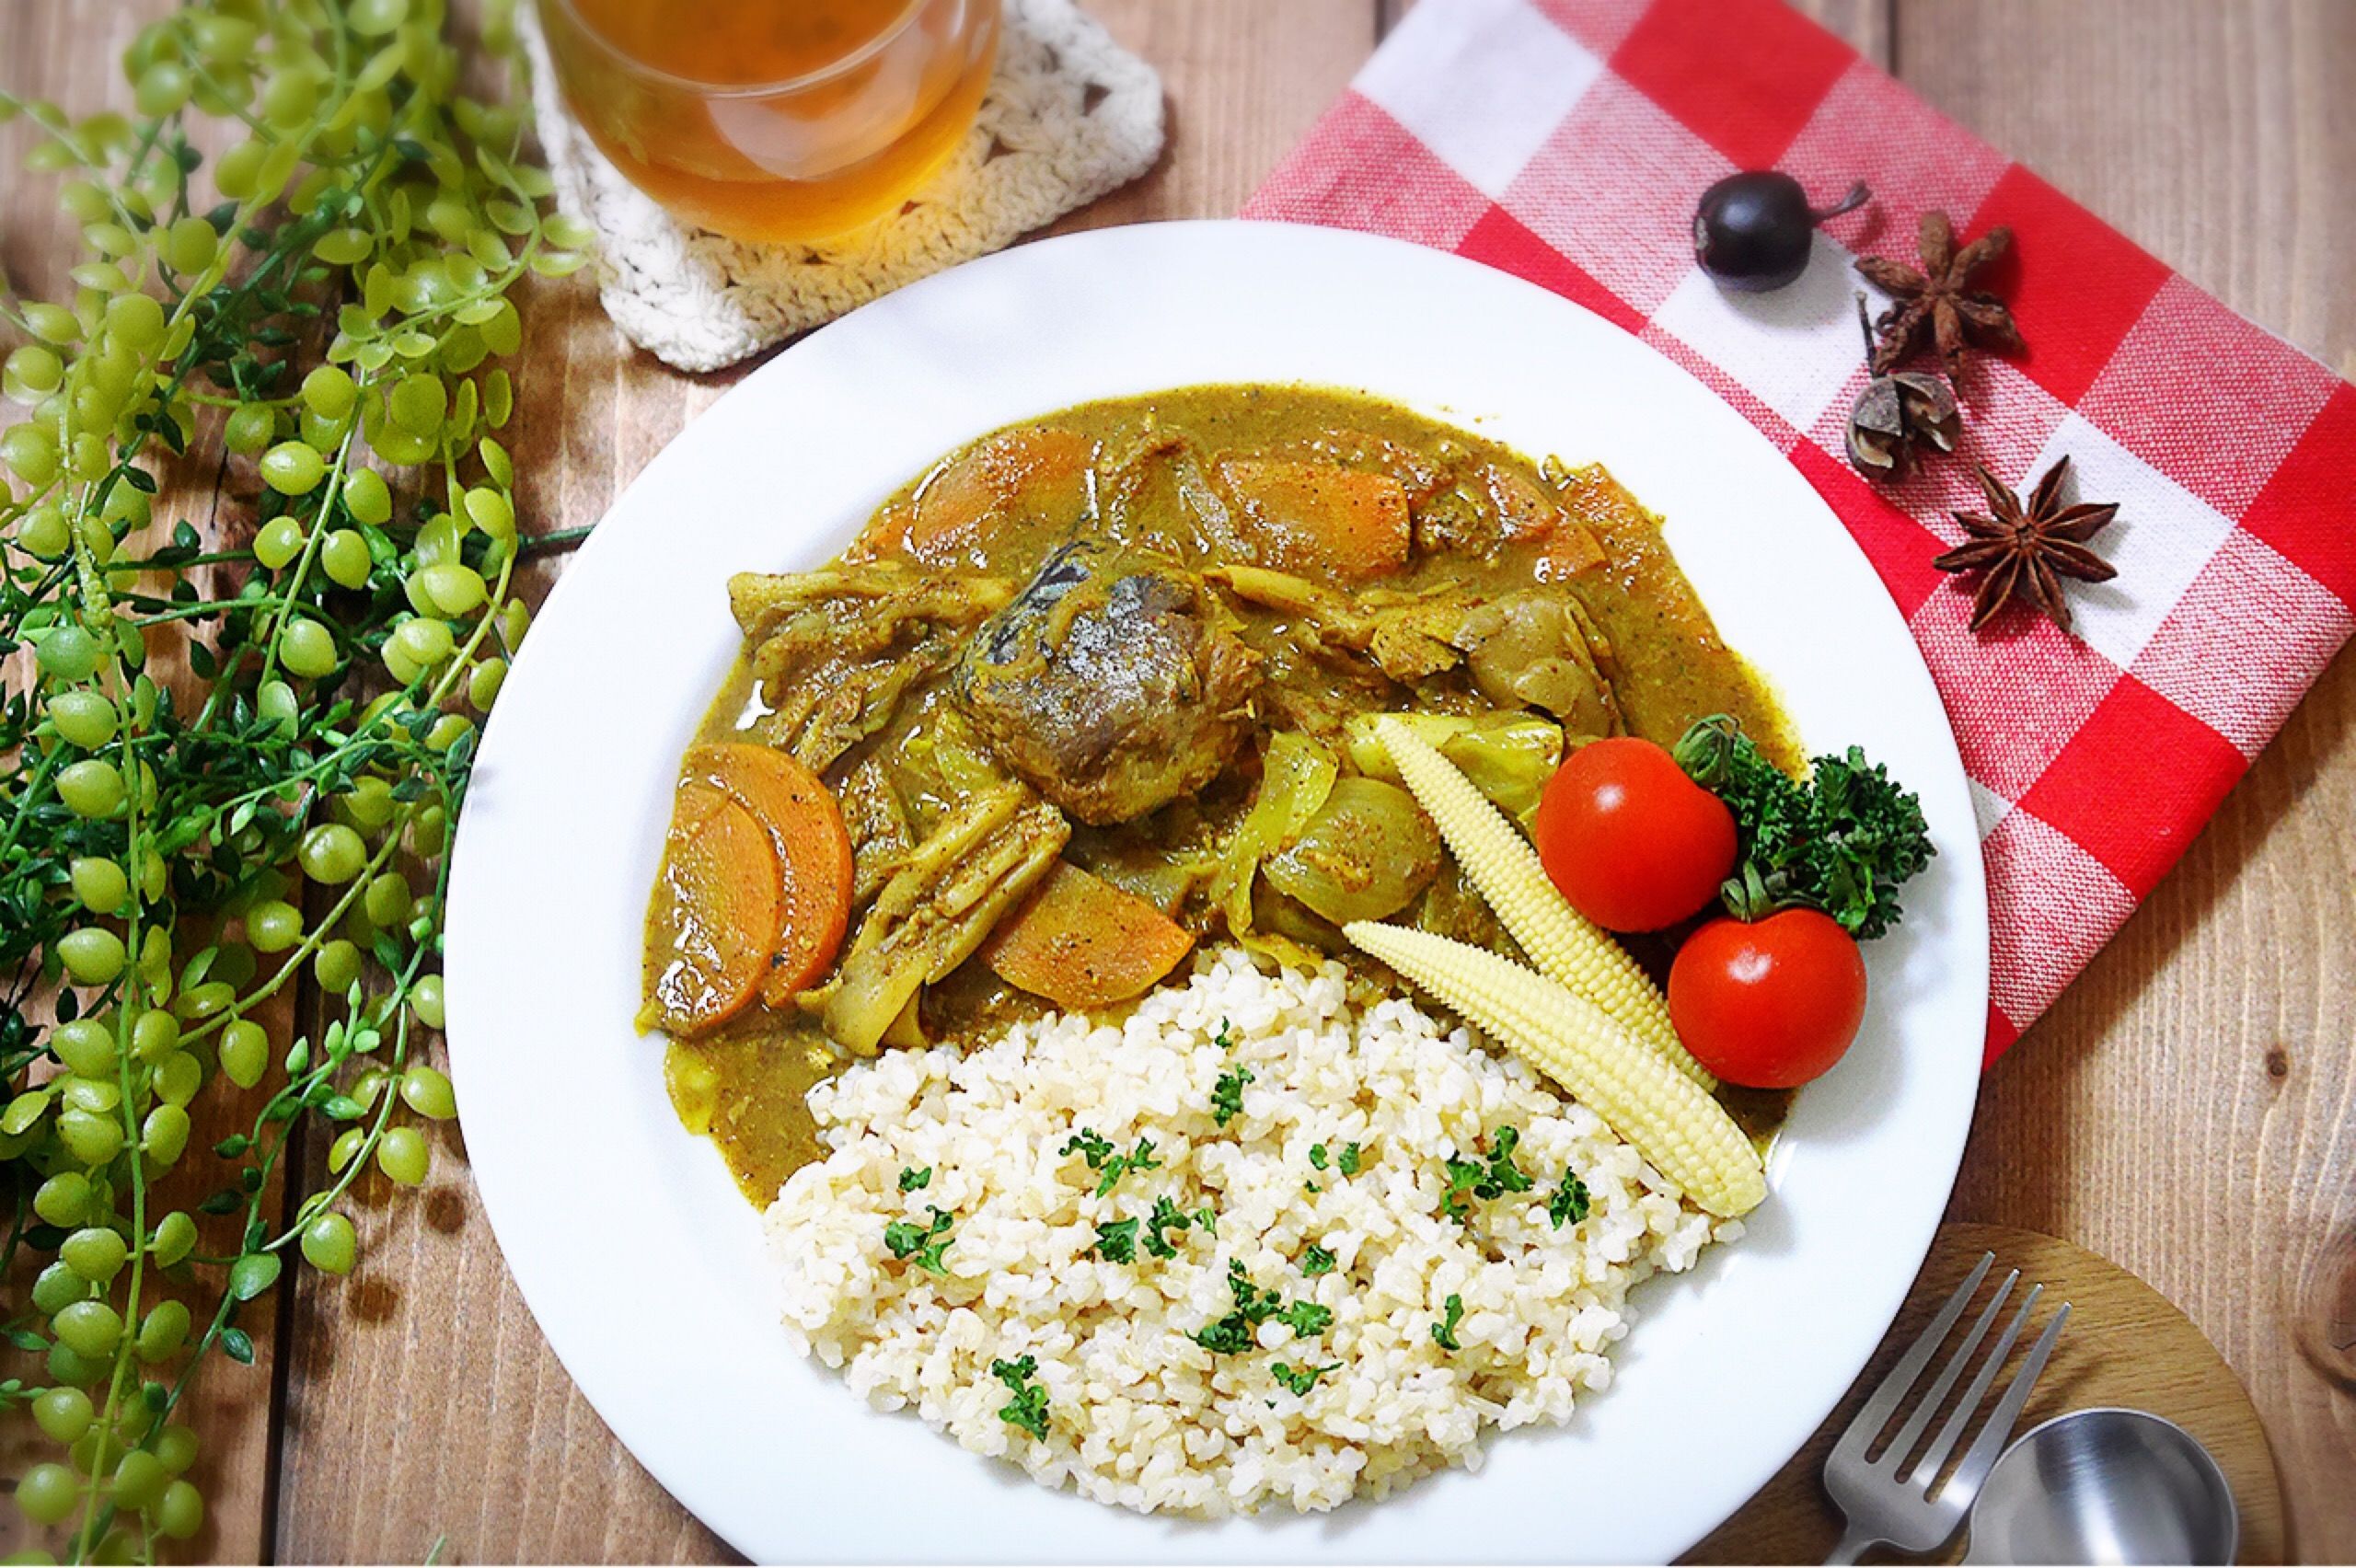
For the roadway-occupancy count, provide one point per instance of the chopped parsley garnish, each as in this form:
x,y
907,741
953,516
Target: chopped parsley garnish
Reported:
x,y
1307,1317
1491,1178
925,1245
1139,1158
1169,1217
915,1181
1227,1095
1568,1206
1225,1038
1233,1335
1092,1143
1444,1331
1316,1260
1311,1187
1230,1336
1098,1151
1316,1156
1116,1241
1349,1160
1300,1379
1028,1408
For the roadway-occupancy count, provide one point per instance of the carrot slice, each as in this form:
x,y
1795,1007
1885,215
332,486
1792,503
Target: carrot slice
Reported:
x,y
1082,942
804,828
1039,472
1319,516
718,911
1570,549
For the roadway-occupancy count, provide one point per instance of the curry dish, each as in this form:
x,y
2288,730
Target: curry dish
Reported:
x,y
1100,687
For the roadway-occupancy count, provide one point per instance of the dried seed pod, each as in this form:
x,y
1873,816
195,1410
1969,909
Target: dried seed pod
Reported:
x,y
1896,410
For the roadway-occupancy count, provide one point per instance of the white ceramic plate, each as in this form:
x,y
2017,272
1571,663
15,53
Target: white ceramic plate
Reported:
x,y
646,1269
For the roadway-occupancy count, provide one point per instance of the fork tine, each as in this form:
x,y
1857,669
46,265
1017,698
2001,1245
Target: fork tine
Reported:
x,y
1869,1422
1968,1406
1928,1405
1981,1458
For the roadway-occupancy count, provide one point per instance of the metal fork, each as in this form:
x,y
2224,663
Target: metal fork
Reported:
x,y
1887,1504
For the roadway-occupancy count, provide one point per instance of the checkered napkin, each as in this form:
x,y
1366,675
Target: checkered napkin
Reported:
x,y
1567,140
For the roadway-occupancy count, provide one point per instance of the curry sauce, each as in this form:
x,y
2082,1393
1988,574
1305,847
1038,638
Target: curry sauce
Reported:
x,y
1109,640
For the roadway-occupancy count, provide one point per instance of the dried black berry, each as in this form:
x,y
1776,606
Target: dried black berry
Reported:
x,y
1751,230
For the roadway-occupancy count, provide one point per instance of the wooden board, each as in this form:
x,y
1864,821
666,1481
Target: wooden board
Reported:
x,y
2125,1344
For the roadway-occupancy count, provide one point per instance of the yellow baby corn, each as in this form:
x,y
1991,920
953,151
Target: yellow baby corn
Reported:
x,y
1566,947
1670,1118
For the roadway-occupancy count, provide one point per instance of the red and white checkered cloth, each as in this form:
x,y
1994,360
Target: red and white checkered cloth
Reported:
x,y
1568,141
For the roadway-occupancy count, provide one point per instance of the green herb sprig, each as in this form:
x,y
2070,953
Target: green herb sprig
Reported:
x,y
1843,841
1234,1334
1168,1220
1444,1331
1492,1176
1116,1241
174,855
1098,1151
1028,1408
1227,1095
926,1244
1300,1379
1568,1206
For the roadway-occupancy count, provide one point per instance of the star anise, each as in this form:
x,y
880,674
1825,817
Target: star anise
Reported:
x,y
1935,298
2027,550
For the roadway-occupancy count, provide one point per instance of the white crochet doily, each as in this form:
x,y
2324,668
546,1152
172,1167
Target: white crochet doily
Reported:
x,y
1068,116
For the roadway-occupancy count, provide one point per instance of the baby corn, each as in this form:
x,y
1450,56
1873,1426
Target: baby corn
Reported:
x,y
1671,1120
1565,945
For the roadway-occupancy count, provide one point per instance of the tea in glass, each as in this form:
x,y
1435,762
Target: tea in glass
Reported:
x,y
774,120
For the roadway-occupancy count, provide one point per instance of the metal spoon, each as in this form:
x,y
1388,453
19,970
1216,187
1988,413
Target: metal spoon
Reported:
x,y
2105,1486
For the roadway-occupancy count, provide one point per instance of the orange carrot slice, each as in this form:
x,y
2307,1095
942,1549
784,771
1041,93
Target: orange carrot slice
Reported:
x,y
720,906
811,851
1082,942
1039,472
1309,517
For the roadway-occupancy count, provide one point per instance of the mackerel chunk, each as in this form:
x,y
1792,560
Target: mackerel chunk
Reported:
x,y
1114,683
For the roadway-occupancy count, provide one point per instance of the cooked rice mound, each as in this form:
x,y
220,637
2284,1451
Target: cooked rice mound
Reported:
x,y
1139,1414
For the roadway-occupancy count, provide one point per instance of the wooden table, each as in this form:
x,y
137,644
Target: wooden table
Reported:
x,y
2189,1109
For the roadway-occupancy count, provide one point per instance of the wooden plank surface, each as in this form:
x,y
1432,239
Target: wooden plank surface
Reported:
x,y
2189,1108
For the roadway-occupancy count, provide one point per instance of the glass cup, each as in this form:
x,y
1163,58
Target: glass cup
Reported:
x,y
774,120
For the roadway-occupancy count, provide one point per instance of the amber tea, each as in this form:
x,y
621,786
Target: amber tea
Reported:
x,y
774,120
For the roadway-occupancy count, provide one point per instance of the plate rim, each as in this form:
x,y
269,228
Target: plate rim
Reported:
x,y
500,1195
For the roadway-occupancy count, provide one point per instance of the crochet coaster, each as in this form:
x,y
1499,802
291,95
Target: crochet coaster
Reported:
x,y
1068,116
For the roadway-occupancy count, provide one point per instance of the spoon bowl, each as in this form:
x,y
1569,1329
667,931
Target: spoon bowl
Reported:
x,y
2105,1485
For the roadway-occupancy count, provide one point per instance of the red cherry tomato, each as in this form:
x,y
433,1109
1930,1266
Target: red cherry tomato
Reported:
x,y
1630,841
1769,1003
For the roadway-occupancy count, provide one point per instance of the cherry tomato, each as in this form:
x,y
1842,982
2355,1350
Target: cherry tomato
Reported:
x,y
1629,839
1769,1003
